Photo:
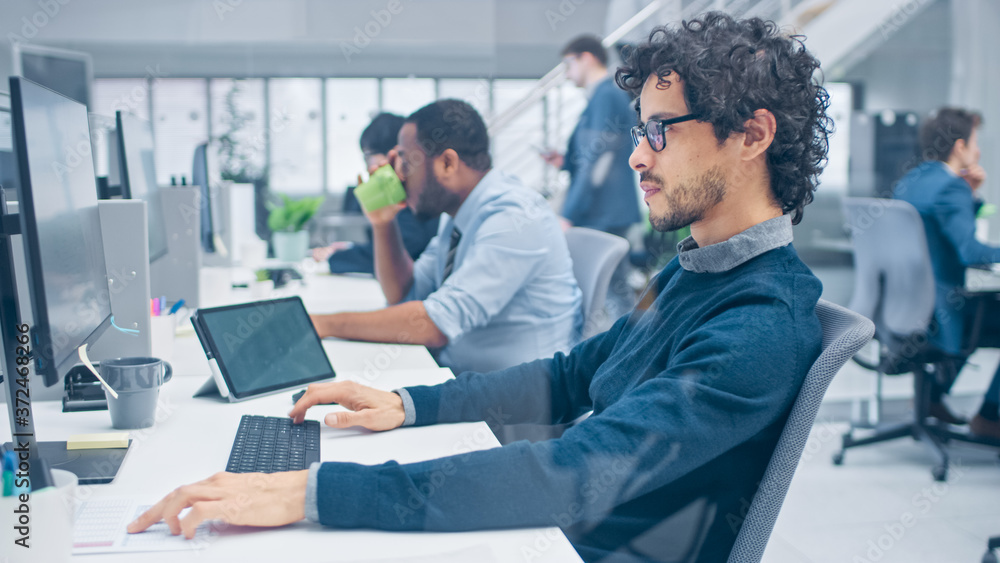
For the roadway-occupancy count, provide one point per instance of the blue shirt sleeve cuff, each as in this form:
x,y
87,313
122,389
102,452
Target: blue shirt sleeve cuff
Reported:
x,y
443,316
312,506
409,411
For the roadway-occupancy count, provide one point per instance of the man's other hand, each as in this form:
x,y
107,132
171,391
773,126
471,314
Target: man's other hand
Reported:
x,y
552,158
367,407
974,175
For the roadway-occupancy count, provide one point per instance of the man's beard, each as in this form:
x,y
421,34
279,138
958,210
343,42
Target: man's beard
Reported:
x,y
434,199
687,202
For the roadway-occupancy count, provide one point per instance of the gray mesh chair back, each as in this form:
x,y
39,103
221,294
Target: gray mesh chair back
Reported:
x,y
893,279
844,333
595,256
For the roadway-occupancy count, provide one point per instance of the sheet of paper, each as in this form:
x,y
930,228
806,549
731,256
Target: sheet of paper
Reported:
x,y
100,528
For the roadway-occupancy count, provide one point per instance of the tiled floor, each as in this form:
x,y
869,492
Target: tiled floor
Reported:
x,y
882,504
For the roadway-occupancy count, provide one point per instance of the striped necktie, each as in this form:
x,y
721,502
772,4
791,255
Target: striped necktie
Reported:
x,y
449,264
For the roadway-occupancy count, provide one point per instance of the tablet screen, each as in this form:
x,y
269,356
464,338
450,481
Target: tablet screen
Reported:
x,y
265,346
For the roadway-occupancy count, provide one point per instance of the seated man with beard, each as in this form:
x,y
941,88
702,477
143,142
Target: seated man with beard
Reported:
x,y
495,287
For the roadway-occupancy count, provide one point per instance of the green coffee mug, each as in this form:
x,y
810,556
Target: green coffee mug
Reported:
x,y
382,188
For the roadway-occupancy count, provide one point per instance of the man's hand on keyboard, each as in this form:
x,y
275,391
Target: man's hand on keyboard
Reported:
x,y
367,407
245,499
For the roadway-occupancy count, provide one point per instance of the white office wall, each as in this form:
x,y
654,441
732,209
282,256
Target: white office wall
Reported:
x,y
975,83
911,68
313,37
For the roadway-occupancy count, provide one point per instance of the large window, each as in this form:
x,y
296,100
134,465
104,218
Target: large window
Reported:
x,y
125,94
515,148
302,133
296,127
180,123
406,95
118,94
476,91
350,105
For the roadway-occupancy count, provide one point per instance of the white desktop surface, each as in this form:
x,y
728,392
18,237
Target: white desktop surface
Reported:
x,y
191,441
192,438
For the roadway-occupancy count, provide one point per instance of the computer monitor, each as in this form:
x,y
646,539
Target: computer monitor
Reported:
x,y
66,72
8,168
104,141
60,226
200,177
138,176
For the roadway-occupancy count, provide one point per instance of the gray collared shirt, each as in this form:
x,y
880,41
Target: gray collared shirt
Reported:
x,y
726,255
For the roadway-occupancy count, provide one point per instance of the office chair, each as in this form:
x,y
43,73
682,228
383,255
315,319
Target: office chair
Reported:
x,y
844,333
595,256
894,286
992,545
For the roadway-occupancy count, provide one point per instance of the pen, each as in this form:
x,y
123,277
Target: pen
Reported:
x,y
8,475
176,307
163,303
155,304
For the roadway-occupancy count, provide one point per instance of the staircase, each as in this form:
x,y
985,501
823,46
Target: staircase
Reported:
x,y
541,114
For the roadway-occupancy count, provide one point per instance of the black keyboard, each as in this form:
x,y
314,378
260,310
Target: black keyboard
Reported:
x,y
269,444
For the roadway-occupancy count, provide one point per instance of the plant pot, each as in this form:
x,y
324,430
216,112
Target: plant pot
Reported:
x,y
290,247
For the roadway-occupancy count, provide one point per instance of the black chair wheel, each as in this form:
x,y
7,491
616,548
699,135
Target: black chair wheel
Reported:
x,y
940,473
838,458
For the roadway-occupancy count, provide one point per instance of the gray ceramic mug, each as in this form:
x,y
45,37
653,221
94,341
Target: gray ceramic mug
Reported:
x,y
137,382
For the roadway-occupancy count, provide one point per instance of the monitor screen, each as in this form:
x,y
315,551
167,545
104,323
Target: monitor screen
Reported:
x,y
8,169
138,176
60,225
66,72
200,178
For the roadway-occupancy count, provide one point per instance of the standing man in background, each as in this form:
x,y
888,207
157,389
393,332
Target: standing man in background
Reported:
x,y
602,192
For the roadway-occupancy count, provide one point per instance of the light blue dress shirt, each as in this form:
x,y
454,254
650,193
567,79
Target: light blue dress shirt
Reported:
x,y
511,296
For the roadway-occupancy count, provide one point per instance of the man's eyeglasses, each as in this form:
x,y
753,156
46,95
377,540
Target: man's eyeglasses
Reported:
x,y
654,131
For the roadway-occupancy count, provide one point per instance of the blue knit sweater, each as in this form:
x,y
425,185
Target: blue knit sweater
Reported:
x,y
689,394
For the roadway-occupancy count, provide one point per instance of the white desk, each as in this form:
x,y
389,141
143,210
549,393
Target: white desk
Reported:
x,y
192,439
205,428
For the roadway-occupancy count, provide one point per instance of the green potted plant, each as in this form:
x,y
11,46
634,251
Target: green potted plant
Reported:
x,y
287,223
240,154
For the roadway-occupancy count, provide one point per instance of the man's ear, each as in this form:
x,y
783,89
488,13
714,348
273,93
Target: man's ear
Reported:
x,y
446,164
960,146
759,134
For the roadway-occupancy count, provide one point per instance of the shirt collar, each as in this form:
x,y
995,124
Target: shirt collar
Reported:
x,y
947,168
467,211
726,255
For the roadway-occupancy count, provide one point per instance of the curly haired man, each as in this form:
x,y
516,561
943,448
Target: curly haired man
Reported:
x,y
689,391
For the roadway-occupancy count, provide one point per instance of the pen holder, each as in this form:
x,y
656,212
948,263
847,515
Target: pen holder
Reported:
x,y
45,521
161,332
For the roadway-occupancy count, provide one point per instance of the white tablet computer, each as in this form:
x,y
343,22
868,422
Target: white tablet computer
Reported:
x,y
260,348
